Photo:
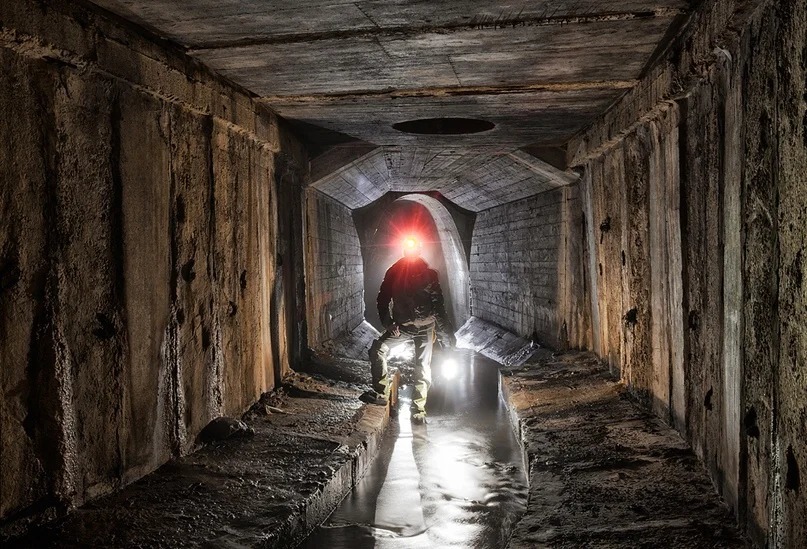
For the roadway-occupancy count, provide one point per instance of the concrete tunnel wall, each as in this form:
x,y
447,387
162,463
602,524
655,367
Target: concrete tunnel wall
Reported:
x,y
340,286
455,277
138,239
527,268
141,238
334,269
696,226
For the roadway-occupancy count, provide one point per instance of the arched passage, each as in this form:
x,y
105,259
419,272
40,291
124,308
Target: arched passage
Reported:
x,y
455,276
382,227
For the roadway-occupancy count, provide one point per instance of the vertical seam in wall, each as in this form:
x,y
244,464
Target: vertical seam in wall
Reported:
x,y
667,185
676,276
732,307
306,244
118,285
52,355
776,519
742,458
566,320
586,183
683,170
217,398
173,329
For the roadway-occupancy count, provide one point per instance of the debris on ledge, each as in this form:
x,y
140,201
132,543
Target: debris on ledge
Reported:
x,y
313,439
603,472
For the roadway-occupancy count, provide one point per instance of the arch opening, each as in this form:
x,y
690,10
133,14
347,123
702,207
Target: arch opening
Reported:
x,y
384,228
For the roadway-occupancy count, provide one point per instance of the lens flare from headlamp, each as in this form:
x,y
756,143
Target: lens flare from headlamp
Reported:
x,y
449,368
411,246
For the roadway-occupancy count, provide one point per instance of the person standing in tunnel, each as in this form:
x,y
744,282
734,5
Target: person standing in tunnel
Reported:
x,y
410,305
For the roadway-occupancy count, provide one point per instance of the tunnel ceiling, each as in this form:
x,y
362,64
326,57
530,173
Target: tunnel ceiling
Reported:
x,y
347,70
472,181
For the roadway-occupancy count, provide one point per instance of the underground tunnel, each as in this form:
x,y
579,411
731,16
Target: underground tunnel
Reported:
x,y
201,203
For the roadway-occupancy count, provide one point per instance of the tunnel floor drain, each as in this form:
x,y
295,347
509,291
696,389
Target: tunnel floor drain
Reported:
x,y
444,126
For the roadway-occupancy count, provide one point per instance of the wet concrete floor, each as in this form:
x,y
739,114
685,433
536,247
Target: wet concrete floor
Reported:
x,y
456,482
604,472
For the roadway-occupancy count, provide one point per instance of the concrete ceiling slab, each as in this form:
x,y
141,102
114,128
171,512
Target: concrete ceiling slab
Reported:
x,y
521,116
473,182
335,158
477,57
345,71
222,23
342,65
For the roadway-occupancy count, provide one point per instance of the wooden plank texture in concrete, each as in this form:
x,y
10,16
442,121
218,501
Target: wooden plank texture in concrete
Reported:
x,y
541,71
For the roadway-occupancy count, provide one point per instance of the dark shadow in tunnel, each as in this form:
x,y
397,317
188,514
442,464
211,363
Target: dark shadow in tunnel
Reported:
x,y
445,231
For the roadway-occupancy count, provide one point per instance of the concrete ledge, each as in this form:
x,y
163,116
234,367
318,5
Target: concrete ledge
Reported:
x,y
495,342
603,472
313,442
353,344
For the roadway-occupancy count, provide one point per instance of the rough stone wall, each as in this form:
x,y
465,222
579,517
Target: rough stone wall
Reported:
x,y
696,191
527,268
334,272
137,243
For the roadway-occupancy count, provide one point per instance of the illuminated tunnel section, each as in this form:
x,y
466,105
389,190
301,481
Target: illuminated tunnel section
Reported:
x,y
456,482
445,236
198,204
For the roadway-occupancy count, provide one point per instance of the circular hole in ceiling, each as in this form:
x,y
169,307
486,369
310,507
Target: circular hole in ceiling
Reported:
x,y
444,126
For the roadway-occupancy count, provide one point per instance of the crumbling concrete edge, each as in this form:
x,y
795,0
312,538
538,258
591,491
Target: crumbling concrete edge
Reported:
x,y
495,342
362,447
516,423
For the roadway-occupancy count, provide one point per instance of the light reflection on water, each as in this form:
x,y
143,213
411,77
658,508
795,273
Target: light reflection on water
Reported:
x,y
456,482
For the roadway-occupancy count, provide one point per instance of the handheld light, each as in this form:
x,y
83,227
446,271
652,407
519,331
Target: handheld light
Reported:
x,y
448,369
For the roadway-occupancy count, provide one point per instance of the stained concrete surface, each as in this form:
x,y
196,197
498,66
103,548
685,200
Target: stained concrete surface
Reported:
x,y
527,271
142,212
313,440
314,53
334,269
697,222
476,183
602,471
345,357
495,342
80,85
357,68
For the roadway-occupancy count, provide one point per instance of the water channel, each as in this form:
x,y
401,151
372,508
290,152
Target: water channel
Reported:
x,y
457,481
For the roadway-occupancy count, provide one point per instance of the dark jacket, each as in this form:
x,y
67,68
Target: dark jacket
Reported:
x,y
414,291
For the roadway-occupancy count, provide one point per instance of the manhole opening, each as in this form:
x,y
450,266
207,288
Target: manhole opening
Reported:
x,y
444,126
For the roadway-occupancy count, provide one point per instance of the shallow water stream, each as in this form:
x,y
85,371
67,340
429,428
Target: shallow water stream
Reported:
x,y
456,482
